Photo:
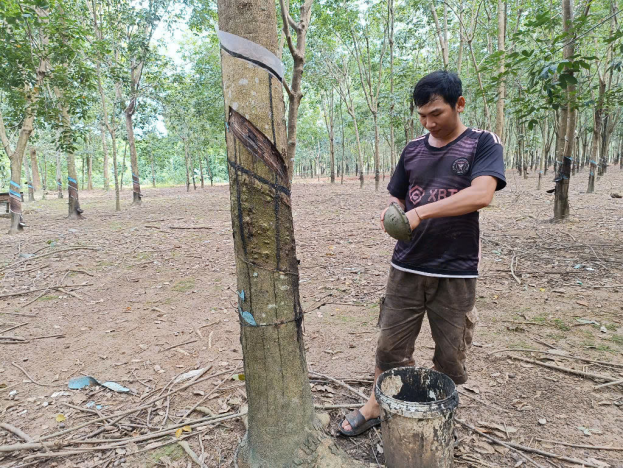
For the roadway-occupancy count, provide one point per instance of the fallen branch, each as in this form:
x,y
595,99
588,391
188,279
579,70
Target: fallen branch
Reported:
x,y
483,402
18,432
13,327
18,314
592,447
590,375
190,227
498,441
550,353
206,396
69,293
120,443
36,298
44,289
189,451
339,406
512,269
124,413
54,252
31,379
339,382
609,384
181,344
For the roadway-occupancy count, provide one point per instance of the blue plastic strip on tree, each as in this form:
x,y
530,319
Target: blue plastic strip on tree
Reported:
x,y
568,157
251,52
30,186
592,161
72,180
59,183
247,317
15,194
15,184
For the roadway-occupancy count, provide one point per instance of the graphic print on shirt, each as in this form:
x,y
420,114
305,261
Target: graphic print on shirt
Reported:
x,y
415,194
460,166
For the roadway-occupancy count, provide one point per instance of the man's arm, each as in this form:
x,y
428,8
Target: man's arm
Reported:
x,y
477,196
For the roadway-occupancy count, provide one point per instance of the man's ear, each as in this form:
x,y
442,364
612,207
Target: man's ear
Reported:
x,y
461,104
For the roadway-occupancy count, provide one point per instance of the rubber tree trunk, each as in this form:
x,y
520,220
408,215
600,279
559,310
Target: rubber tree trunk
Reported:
x,y
59,175
376,152
283,429
74,210
90,172
15,198
134,162
593,164
105,163
186,162
391,45
153,171
500,103
29,186
567,127
36,179
193,172
201,171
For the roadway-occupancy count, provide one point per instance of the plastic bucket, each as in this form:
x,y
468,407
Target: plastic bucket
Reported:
x,y
417,407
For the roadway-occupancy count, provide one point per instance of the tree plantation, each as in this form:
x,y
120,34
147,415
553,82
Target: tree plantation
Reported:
x,y
193,263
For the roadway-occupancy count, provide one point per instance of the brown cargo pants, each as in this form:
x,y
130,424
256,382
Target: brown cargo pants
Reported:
x,y
449,304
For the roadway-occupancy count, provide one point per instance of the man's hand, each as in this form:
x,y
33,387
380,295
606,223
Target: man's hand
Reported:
x,y
381,218
414,219
400,202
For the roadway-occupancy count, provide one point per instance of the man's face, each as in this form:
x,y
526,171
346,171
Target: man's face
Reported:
x,y
438,117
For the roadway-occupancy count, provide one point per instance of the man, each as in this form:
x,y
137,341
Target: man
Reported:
x,y
441,181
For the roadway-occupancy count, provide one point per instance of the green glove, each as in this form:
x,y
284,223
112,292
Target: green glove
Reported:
x,y
396,223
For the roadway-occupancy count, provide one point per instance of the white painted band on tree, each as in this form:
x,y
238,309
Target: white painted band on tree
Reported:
x,y
245,49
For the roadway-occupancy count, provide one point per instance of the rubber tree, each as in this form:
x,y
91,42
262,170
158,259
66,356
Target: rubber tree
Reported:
x,y
73,205
593,155
327,103
297,51
138,40
371,87
567,125
341,74
36,179
21,89
283,429
500,103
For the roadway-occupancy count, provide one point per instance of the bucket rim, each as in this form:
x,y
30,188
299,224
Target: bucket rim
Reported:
x,y
413,409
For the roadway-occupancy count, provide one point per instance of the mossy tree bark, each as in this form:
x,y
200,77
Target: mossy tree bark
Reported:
x,y
283,429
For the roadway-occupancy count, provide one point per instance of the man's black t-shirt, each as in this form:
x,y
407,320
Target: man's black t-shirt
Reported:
x,y
444,247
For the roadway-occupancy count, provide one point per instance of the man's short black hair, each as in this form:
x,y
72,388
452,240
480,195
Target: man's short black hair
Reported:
x,y
441,83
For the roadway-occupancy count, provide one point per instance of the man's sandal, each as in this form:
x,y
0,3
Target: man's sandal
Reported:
x,y
358,423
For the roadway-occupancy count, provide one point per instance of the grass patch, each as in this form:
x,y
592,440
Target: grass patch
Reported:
x,y
611,326
184,285
540,318
47,298
617,339
164,455
561,325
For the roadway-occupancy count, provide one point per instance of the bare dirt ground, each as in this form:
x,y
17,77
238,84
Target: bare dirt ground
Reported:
x,y
144,301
